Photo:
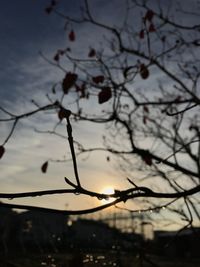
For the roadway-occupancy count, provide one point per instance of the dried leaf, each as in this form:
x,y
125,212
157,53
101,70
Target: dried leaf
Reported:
x,y
98,79
63,113
83,90
69,81
149,15
177,99
141,34
44,167
56,57
146,109
147,158
152,28
104,95
2,151
145,119
144,72
92,53
72,36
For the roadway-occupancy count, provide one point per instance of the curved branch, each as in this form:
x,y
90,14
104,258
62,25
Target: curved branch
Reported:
x,y
120,195
145,192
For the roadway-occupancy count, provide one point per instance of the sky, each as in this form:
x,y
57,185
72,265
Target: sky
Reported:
x,y
26,30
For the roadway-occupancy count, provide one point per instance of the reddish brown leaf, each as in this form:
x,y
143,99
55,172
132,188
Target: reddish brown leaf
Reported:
x,y
144,72
69,81
63,113
92,53
44,167
82,90
58,54
56,57
177,99
2,150
146,109
78,88
104,95
145,119
98,79
72,36
149,15
141,34
152,28
147,158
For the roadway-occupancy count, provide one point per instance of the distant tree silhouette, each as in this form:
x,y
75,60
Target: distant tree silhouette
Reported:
x,y
143,79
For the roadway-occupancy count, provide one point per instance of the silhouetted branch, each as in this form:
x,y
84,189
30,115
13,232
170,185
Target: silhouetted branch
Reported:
x,y
120,196
71,144
28,114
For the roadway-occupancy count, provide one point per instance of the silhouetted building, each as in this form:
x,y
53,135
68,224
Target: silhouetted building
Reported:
x,y
182,244
42,231
35,231
93,234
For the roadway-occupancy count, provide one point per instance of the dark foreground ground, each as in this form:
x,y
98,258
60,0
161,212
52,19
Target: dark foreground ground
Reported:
x,y
95,259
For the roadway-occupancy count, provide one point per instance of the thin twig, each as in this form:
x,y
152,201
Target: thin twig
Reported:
x,y
71,144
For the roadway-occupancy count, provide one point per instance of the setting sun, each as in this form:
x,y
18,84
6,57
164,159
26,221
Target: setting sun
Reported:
x,y
107,190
